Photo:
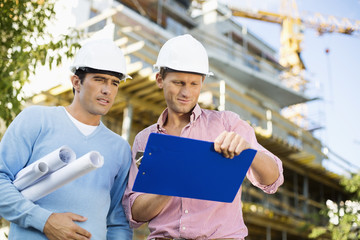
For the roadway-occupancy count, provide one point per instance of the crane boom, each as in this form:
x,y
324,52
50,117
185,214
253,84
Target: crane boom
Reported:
x,y
292,27
319,22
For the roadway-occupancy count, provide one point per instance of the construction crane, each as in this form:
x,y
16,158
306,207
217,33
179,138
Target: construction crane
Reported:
x,y
292,32
292,28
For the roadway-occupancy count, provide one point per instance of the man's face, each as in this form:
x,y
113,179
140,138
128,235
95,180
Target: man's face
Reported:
x,y
97,93
181,90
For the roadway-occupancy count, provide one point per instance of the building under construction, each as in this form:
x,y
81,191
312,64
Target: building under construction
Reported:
x,y
247,80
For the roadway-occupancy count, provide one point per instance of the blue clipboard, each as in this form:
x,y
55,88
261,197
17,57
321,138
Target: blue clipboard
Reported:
x,y
183,167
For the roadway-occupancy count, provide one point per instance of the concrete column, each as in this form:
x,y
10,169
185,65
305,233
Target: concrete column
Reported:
x,y
245,39
159,12
306,194
268,232
127,119
296,191
222,96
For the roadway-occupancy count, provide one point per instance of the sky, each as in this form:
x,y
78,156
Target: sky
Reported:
x,y
333,76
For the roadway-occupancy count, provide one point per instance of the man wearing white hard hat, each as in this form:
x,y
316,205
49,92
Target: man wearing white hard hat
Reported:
x,y
183,65
90,206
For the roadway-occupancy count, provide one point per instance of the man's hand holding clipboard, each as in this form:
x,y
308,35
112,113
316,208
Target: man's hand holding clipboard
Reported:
x,y
184,167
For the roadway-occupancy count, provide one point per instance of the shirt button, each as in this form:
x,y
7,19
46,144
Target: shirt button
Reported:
x,y
186,211
183,228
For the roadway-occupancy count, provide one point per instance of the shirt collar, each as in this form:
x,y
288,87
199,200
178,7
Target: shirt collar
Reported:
x,y
196,112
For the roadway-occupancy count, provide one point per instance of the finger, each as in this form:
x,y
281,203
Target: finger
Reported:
x,y
80,231
218,141
226,144
239,149
77,218
78,236
245,144
242,146
83,233
83,238
233,145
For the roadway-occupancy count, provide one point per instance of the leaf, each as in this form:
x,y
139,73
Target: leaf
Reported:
x,y
22,27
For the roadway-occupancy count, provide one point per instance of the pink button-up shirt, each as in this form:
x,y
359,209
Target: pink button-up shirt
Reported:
x,y
192,218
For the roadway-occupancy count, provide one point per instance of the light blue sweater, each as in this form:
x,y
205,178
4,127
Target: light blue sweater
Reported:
x,y
39,130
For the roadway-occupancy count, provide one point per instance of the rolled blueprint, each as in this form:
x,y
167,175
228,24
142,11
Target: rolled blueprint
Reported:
x,y
90,161
47,164
35,172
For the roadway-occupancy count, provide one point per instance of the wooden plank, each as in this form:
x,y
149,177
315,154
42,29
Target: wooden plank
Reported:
x,y
131,48
145,91
134,67
140,85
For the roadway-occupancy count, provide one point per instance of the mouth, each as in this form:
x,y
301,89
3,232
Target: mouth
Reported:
x,y
184,101
103,101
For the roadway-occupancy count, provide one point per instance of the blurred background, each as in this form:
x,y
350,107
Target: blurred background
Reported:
x,y
287,67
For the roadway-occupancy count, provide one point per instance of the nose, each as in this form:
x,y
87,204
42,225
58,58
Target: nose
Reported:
x,y
185,91
106,89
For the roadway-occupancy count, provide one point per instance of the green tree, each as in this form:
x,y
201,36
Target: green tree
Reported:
x,y
24,43
344,218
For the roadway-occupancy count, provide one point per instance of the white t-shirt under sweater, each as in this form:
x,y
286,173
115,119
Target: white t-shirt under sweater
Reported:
x,y
84,128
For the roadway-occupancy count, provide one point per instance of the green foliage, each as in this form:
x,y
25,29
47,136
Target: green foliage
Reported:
x,y
352,185
344,217
24,43
317,232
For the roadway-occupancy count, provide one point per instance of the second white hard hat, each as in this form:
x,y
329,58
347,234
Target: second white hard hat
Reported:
x,y
101,54
184,53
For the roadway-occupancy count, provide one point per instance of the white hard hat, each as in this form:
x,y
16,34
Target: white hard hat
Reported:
x,y
184,53
101,54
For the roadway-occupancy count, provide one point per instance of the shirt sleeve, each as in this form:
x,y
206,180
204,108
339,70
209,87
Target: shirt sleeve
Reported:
x,y
15,151
245,130
130,196
117,225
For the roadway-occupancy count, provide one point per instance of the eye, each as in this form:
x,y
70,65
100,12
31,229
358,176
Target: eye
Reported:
x,y
178,83
116,83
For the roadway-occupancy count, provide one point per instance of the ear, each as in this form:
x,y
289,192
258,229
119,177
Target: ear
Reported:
x,y
159,80
75,80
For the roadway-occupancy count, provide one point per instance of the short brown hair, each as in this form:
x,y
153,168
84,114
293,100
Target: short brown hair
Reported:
x,y
165,70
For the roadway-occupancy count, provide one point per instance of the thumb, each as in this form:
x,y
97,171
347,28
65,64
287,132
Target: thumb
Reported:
x,y
78,218
218,141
